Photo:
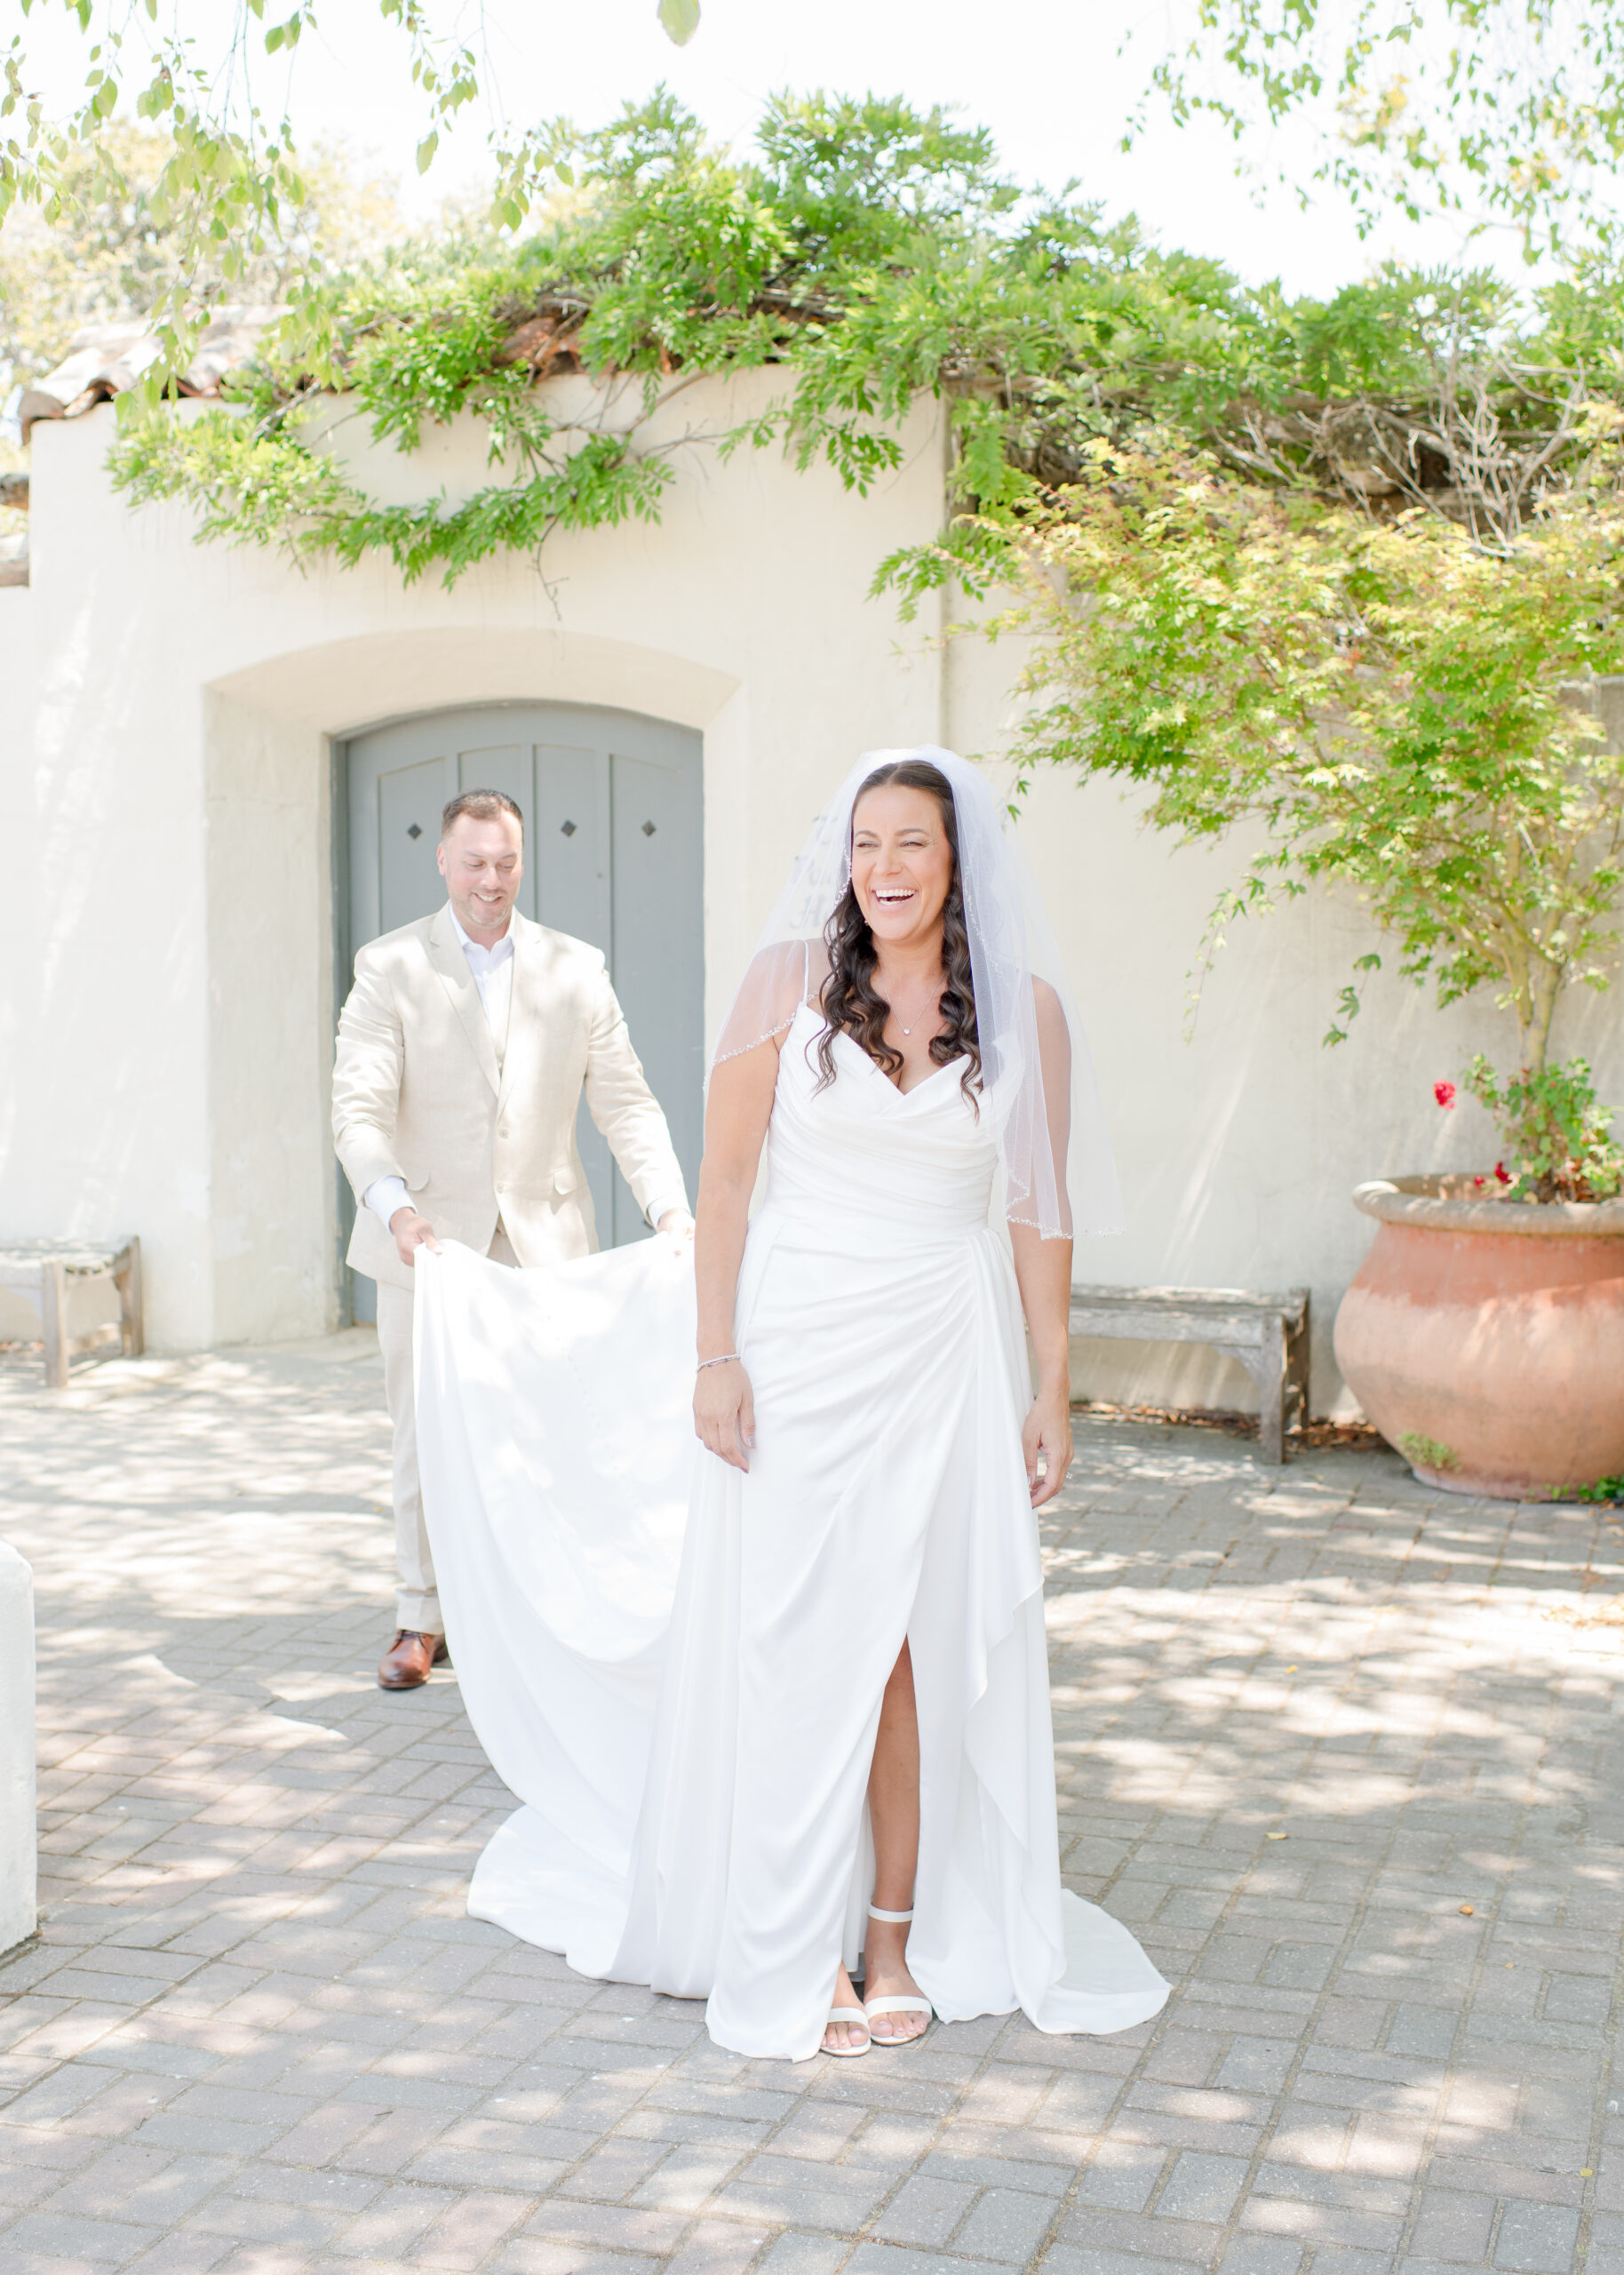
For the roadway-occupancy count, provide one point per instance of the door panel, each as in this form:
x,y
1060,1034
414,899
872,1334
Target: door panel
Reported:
x,y
408,803
571,859
658,858
612,806
573,884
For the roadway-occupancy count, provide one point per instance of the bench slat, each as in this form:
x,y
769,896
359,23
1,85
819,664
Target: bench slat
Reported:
x,y
1194,1302
21,1262
1242,1331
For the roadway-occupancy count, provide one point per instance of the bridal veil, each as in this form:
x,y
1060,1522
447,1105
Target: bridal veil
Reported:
x,y
1039,1091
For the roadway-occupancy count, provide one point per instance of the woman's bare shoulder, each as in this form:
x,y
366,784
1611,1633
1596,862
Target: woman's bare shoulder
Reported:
x,y
784,963
781,977
1050,1009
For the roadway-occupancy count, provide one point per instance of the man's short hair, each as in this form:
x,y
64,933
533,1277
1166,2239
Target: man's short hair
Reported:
x,y
479,805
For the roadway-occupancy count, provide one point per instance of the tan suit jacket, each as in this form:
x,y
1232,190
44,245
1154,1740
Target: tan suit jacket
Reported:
x,y
418,1094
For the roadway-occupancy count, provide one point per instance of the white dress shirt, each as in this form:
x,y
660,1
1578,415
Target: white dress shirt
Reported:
x,y
493,976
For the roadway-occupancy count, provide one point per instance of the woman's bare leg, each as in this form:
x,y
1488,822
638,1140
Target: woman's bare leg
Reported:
x,y
894,1791
894,1813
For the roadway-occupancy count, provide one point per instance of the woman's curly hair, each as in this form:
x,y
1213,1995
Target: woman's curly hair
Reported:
x,y
850,1002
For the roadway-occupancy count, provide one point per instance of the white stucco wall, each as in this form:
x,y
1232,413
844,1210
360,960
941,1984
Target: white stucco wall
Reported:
x,y
166,712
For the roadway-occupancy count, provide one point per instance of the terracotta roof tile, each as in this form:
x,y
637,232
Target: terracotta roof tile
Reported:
x,y
107,360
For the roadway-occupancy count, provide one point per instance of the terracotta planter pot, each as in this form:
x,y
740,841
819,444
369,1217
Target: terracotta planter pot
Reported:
x,y
1484,1338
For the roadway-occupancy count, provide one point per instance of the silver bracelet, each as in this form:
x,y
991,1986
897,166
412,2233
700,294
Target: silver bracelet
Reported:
x,y
722,1362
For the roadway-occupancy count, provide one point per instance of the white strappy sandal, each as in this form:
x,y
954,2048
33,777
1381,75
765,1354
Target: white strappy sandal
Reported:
x,y
893,2006
848,2014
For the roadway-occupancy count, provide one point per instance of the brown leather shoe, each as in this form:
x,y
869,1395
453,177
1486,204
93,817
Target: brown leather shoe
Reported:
x,y
405,1664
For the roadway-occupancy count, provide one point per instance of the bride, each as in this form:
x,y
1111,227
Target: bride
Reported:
x,y
806,1716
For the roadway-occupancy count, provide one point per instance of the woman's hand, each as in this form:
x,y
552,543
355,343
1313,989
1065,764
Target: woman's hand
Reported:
x,y
1047,1433
725,1412
735,1117
1044,1270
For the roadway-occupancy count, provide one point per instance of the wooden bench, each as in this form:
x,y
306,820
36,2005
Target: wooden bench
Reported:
x,y
41,1270
1268,1334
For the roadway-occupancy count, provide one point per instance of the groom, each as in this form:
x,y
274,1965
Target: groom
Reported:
x,y
463,1051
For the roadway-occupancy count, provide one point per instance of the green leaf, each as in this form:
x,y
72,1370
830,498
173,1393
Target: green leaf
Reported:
x,y
680,19
426,152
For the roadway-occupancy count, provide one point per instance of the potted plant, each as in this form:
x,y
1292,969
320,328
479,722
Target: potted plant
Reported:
x,y
1484,1333
1407,704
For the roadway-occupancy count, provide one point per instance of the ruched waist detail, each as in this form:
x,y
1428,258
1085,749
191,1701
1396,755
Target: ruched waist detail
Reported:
x,y
902,1222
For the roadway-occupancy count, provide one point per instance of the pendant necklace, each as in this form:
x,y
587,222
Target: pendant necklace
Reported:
x,y
918,1015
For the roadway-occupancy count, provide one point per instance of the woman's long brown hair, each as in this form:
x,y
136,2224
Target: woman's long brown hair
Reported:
x,y
851,1004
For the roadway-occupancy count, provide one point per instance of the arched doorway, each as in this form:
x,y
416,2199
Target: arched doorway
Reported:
x,y
613,854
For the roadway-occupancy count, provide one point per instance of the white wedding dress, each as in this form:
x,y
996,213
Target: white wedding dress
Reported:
x,y
678,1669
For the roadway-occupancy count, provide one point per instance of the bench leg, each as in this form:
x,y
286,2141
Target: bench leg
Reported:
x,y
54,1322
1297,1387
127,1280
1268,1372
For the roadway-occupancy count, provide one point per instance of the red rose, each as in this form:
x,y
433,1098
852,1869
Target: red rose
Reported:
x,y
1444,1093
1502,1174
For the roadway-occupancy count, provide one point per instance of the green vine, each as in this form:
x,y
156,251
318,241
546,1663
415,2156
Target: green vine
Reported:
x,y
873,254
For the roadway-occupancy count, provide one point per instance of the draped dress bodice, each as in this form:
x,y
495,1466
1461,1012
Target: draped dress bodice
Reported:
x,y
858,1151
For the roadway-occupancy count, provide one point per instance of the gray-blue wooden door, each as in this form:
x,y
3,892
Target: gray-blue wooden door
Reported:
x,y
614,849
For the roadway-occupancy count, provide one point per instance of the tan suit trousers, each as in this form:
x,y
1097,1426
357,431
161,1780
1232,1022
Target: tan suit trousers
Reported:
x,y
417,1602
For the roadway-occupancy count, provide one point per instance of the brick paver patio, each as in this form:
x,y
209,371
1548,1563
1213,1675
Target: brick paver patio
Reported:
x,y
1344,1752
